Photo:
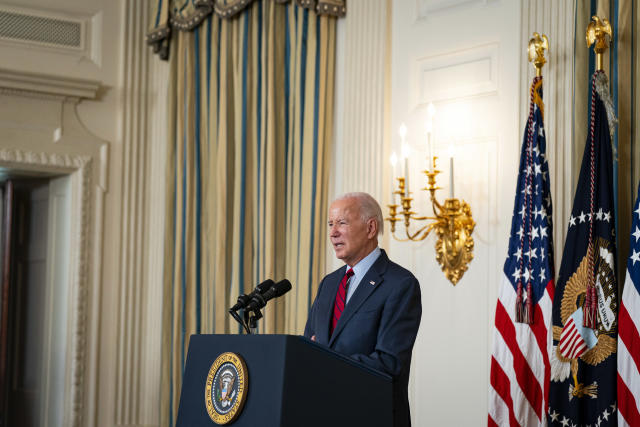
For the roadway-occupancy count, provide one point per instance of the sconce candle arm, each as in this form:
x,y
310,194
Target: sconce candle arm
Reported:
x,y
424,218
425,230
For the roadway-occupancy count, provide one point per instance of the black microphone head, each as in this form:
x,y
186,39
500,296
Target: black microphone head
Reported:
x,y
258,301
282,287
243,300
265,286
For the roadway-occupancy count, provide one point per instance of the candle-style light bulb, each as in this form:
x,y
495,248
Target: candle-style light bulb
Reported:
x,y
406,151
428,127
394,161
402,131
431,110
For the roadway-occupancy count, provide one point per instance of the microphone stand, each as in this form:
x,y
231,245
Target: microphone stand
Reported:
x,y
250,321
253,319
244,323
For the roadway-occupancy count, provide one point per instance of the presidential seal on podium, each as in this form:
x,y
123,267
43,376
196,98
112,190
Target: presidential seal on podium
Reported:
x,y
226,388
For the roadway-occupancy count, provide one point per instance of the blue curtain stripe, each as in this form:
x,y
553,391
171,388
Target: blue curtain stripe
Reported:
x,y
259,141
209,24
316,94
303,75
158,12
243,167
198,177
287,91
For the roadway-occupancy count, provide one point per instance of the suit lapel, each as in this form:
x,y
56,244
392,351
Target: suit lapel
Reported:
x,y
332,284
365,289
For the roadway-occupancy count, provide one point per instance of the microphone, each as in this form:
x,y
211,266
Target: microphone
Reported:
x,y
243,300
260,300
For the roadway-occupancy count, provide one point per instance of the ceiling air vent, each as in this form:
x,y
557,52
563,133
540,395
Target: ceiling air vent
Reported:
x,y
41,30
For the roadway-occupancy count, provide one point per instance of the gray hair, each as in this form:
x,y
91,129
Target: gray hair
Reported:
x,y
369,208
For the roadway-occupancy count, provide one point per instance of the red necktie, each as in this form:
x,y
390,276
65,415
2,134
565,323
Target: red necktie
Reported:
x,y
341,299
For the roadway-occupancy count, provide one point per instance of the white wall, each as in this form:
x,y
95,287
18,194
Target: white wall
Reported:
x,y
464,57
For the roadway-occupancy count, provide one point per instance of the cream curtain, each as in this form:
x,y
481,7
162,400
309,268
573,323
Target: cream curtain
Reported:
x,y
251,120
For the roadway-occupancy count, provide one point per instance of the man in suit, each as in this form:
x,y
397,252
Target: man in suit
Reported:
x,y
370,308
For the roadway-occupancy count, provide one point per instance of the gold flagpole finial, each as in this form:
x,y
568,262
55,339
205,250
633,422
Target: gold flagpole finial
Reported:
x,y
537,45
597,31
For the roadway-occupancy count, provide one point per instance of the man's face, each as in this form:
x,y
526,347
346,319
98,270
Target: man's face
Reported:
x,y
351,237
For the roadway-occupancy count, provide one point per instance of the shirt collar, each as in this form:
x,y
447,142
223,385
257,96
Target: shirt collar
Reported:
x,y
361,268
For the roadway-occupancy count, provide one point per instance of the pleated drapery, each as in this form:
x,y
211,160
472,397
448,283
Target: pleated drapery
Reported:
x,y
251,119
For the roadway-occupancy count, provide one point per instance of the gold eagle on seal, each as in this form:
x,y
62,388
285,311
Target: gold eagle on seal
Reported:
x,y
572,299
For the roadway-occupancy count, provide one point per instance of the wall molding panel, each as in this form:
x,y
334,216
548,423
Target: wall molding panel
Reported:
x,y
37,84
556,20
460,74
426,8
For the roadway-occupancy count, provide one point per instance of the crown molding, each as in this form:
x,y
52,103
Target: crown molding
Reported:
x,y
38,84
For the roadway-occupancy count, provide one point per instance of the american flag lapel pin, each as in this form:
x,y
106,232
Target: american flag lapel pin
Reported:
x,y
372,283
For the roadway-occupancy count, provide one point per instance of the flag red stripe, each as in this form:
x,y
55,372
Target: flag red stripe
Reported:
x,y
572,343
501,384
490,422
575,345
541,333
551,288
568,337
524,375
626,404
628,334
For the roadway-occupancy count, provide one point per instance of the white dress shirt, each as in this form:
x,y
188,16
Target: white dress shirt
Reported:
x,y
359,271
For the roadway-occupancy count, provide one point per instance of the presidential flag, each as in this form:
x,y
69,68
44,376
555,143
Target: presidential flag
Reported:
x,y
520,365
583,358
628,336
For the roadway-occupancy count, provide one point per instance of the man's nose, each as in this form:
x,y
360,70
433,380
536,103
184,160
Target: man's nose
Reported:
x,y
333,230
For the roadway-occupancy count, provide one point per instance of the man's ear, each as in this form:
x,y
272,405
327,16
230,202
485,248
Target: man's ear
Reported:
x,y
372,228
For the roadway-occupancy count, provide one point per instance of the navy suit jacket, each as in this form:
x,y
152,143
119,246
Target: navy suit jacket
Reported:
x,y
378,326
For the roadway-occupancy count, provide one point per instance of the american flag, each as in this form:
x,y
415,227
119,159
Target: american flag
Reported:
x,y
520,362
628,337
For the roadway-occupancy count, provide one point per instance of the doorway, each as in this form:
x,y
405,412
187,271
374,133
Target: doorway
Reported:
x,y
34,297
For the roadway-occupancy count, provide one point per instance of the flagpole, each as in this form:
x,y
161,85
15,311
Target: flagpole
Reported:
x,y
597,30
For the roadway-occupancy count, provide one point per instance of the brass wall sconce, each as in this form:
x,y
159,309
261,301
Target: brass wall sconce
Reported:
x,y
452,221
